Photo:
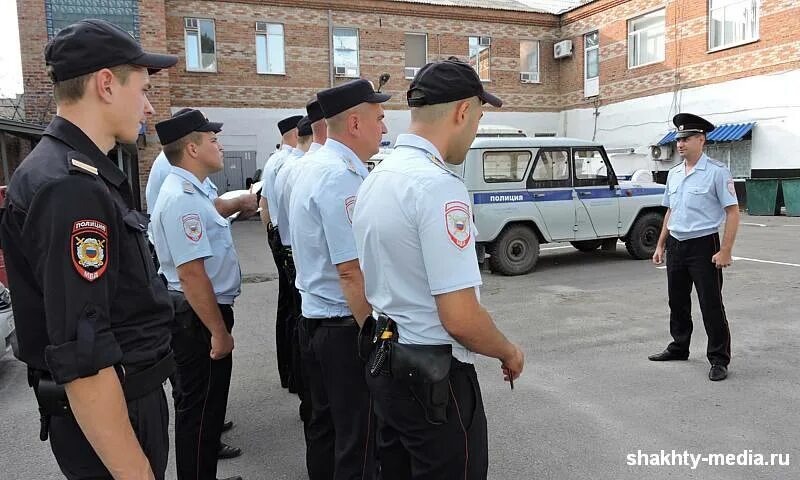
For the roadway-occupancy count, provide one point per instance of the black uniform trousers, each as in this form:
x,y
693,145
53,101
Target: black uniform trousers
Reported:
x,y
340,434
411,448
283,317
77,459
297,379
689,263
201,398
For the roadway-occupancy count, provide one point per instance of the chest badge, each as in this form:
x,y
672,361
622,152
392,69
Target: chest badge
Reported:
x,y
88,244
457,219
192,227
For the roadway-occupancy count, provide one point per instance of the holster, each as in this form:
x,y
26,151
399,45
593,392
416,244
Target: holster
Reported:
x,y
426,370
274,240
365,334
185,318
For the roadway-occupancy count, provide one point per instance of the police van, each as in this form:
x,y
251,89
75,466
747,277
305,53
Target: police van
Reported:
x,y
529,191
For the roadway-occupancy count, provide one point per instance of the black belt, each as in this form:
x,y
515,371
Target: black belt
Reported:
x,y
348,321
137,385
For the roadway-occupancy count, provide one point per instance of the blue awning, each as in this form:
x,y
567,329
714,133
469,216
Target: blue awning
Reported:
x,y
729,132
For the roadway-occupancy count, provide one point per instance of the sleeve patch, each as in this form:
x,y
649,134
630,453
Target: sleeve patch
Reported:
x,y
349,207
457,221
192,227
88,245
731,187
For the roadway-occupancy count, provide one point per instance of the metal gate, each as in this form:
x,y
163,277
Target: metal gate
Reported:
x,y
239,166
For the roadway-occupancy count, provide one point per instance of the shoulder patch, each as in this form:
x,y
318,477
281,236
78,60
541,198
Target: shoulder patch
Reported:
x,y
192,227
731,187
349,207
88,245
457,222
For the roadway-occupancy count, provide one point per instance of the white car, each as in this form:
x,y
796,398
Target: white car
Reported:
x,y
7,330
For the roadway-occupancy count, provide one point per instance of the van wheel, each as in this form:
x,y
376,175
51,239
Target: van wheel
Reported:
x,y
587,245
643,237
515,252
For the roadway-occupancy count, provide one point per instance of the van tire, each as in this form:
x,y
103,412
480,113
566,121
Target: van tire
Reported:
x,y
643,237
515,252
587,245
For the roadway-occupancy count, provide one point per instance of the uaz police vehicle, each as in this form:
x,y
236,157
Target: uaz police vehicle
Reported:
x,y
528,191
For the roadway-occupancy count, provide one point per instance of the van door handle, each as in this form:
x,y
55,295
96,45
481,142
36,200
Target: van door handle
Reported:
x,y
538,195
586,194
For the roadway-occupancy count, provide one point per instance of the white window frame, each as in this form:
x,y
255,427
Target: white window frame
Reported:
x,y
756,4
357,73
632,34
266,36
477,65
406,66
591,86
199,44
537,73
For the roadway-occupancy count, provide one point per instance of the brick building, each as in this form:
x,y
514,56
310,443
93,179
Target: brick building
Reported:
x,y
612,70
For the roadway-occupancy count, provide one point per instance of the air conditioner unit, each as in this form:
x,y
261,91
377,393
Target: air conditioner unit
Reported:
x,y
661,152
411,72
261,27
529,77
484,41
190,23
340,71
562,49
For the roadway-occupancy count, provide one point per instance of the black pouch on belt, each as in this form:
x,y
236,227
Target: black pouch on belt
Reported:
x,y
365,334
426,370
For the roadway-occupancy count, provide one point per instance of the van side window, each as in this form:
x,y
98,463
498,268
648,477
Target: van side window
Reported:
x,y
591,168
550,170
505,166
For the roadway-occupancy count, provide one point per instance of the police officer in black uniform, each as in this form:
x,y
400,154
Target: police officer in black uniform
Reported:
x,y
93,316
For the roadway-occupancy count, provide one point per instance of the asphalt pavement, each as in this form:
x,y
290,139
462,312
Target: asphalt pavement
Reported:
x,y
589,402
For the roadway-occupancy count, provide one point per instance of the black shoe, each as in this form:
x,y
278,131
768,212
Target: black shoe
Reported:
x,y
226,451
717,373
667,355
227,426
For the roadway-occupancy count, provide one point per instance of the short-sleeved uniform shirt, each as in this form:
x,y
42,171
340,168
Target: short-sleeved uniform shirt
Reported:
x,y
320,224
283,190
697,201
186,227
415,237
271,169
85,293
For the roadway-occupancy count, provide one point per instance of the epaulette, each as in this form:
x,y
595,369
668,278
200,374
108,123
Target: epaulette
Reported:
x,y
80,163
187,187
716,162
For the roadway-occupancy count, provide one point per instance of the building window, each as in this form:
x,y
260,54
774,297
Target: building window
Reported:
x,y
529,61
736,155
123,13
416,53
479,55
591,64
345,52
505,166
269,48
201,45
732,22
646,39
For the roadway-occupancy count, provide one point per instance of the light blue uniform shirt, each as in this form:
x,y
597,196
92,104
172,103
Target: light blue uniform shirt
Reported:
x,y
697,201
283,191
274,163
320,217
186,226
415,238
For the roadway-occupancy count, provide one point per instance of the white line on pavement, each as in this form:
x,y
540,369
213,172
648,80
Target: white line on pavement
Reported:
x,y
754,224
767,261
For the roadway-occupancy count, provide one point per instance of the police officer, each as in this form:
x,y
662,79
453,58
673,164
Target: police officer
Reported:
x,y
95,334
198,259
339,435
700,194
416,244
269,217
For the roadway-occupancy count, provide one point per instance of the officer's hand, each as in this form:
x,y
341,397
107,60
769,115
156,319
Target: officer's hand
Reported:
x,y
248,204
221,345
513,364
658,256
722,259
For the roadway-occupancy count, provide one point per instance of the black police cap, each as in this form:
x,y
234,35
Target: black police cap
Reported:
x,y
342,97
184,122
447,81
91,45
304,127
689,124
314,111
288,123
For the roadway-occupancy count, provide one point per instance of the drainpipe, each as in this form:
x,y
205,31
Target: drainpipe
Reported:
x,y
330,49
